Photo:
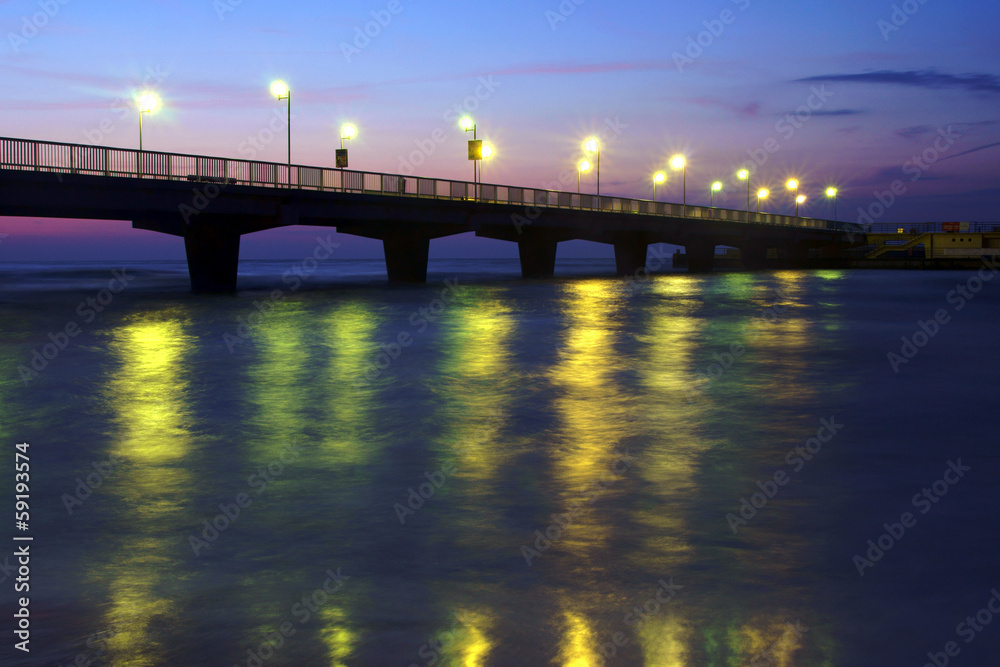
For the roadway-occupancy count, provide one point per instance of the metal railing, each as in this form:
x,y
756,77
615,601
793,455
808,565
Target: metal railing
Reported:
x,y
929,227
48,156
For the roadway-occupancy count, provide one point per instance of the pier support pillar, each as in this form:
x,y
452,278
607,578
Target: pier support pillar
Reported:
x,y
406,257
797,256
754,256
213,255
537,252
630,256
700,255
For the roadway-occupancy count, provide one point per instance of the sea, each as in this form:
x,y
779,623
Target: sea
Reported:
x,y
773,468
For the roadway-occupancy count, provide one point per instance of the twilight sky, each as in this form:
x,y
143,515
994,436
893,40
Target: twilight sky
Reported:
x,y
713,80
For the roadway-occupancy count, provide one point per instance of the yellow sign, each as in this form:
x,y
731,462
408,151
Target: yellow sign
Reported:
x,y
475,149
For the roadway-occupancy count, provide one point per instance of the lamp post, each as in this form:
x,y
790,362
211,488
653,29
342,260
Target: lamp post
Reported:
x,y
801,199
793,186
744,175
716,187
761,194
679,162
147,104
475,151
832,192
593,147
658,177
347,133
281,91
487,154
582,167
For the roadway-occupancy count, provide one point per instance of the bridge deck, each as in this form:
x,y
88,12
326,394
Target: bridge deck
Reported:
x,y
211,201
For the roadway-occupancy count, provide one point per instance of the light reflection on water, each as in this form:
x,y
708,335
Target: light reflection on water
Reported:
x,y
510,411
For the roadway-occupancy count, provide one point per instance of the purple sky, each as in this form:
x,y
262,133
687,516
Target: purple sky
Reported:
x,y
715,81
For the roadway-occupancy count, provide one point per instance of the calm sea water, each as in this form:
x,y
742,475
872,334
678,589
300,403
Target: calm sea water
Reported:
x,y
684,470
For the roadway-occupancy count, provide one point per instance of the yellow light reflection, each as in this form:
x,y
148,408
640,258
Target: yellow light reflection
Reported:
x,y
767,641
578,642
148,396
351,436
478,385
665,641
592,408
672,410
340,640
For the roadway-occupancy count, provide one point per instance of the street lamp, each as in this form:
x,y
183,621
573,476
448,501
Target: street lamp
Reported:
x,y
475,148
281,91
658,177
716,187
347,132
678,162
832,192
793,185
147,104
761,194
582,167
593,147
801,199
744,175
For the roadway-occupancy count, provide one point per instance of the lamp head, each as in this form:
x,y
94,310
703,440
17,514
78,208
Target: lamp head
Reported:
x,y
716,186
584,166
592,146
678,162
801,199
792,184
148,102
743,174
831,192
487,151
659,177
279,89
466,123
348,131
762,193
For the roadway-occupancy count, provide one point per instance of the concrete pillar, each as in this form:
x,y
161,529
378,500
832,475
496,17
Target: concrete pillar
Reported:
x,y
538,254
630,256
798,256
406,257
213,255
700,254
754,256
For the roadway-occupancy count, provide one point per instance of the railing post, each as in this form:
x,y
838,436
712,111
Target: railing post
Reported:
x,y
35,144
106,165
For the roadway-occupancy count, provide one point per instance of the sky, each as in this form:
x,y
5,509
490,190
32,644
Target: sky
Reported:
x,y
855,93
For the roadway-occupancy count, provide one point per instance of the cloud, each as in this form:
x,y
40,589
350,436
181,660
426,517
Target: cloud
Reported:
x,y
926,78
917,131
748,110
597,68
971,150
832,112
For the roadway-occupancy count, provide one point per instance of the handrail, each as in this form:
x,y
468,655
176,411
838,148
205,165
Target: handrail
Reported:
x,y
933,227
50,156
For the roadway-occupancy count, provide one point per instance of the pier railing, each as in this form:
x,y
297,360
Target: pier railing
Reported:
x,y
932,227
48,156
